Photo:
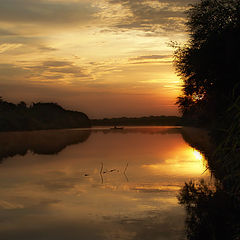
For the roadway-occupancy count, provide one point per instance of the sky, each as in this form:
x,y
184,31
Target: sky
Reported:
x,y
107,58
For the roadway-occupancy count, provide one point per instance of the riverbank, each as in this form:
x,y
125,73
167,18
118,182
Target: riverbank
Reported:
x,y
139,121
198,138
39,116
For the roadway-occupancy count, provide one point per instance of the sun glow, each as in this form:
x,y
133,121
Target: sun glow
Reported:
x,y
198,155
187,161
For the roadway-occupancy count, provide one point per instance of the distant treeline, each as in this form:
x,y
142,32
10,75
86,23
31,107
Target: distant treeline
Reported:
x,y
39,116
140,121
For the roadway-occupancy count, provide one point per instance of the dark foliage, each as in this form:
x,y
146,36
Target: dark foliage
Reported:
x,y
209,63
141,121
39,116
210,68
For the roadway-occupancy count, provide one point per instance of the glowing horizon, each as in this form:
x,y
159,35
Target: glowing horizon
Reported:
x,y
107,58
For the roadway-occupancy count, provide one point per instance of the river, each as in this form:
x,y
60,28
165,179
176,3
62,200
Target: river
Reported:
x,y
95,184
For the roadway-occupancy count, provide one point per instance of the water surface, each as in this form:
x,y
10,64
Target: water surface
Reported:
x,y
98,184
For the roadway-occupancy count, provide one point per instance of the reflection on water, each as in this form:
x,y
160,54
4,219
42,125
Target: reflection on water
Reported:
x,y
107,185
212,207
40,142
211,212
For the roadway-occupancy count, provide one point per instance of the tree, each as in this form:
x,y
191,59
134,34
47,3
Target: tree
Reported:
x,y
22,105
209,62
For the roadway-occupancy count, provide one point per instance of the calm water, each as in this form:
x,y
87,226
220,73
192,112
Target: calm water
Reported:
x,y
94,185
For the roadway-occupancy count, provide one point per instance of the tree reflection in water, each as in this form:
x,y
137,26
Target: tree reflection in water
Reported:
x,y
212,213
39,142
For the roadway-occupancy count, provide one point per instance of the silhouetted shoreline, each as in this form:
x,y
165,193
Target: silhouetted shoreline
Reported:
x,y
139,121
44,116
39,116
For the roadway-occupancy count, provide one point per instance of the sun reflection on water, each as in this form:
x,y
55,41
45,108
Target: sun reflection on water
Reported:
x,y
187,161
198,155
141,175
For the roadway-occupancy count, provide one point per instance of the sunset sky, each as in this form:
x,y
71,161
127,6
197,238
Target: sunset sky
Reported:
x,y
107,58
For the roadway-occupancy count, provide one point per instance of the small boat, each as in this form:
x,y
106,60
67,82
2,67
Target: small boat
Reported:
x,y
116,128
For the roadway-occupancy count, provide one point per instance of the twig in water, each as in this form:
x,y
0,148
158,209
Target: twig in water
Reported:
x,y
205,170
101,172
124,172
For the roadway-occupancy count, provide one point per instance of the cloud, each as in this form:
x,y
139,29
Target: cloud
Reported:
x,y
153,62
31,23
153,16
151,57
11,72
47,49
60,67
22,44
8,46
9,205
45,12
43,72
4,32
56,63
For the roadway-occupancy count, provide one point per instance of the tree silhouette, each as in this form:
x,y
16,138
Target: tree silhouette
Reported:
x,y
39,116
209,66
209,62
